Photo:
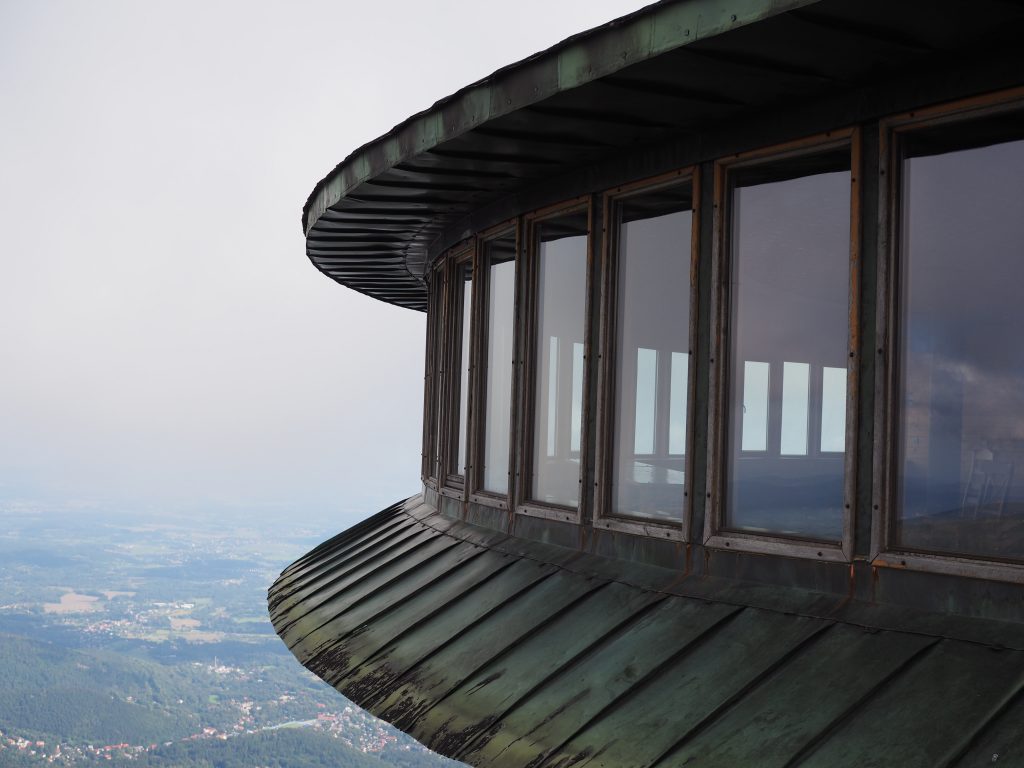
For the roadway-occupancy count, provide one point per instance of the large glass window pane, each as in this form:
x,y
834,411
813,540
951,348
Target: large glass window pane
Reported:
x,y
790,251
961,417
561,259
652,353
501,274
464,284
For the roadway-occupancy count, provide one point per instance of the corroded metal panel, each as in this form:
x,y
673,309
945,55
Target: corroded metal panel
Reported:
x,y
519,671
436,678
928,715
801,700
691,689
336,558
501,651
365,584
389,667
385,628
334,591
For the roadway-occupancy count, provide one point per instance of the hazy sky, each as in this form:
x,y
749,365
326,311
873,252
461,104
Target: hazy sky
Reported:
x,y
165,342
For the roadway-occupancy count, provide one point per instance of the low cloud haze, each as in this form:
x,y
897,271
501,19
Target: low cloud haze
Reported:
x,y
165,342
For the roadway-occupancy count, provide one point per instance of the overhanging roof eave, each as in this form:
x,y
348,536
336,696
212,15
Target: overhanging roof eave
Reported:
x,y
578,60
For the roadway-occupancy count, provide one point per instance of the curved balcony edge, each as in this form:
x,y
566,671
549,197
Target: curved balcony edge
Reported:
x,y
500,651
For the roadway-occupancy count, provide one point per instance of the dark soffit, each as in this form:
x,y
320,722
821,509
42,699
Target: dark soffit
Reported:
x,y
674,68
457,154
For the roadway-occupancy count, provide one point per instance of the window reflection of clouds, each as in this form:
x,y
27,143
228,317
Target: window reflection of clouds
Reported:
x,y
962,414
558,386
651,356
500,336
790,296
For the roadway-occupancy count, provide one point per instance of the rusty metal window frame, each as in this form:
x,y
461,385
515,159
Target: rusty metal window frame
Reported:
x,y
433,375
525,426
481,296
884,553
716,535
453,483
608,356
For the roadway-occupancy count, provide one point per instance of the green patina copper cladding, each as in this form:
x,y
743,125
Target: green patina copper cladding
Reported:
x,y
504,652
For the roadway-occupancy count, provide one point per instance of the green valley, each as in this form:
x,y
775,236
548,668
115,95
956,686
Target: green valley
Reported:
x,y
149,645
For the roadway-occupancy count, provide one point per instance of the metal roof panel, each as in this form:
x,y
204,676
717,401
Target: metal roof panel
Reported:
x,y
508,652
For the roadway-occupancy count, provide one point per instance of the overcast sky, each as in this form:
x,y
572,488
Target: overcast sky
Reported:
x,y
165,343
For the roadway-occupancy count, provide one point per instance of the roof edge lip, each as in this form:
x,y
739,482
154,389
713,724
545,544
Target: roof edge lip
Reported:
x,y
414,306
843,609
643,34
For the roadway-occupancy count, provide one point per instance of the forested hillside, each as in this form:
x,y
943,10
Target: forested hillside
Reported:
x,y
150,645
48,692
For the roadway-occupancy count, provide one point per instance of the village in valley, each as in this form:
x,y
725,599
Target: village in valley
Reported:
x,y
149,643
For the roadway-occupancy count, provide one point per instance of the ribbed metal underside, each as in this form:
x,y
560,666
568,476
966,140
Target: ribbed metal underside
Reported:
x,y
503,652
371,223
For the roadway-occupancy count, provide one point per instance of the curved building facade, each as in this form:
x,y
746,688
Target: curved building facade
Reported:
x,y
723,400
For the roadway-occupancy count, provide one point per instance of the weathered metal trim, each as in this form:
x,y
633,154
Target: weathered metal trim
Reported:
x,y
640,527
450,490
489,500
720,270
968,567
767,544
592,330
850,510
561,514
863,517
428,462
884,358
